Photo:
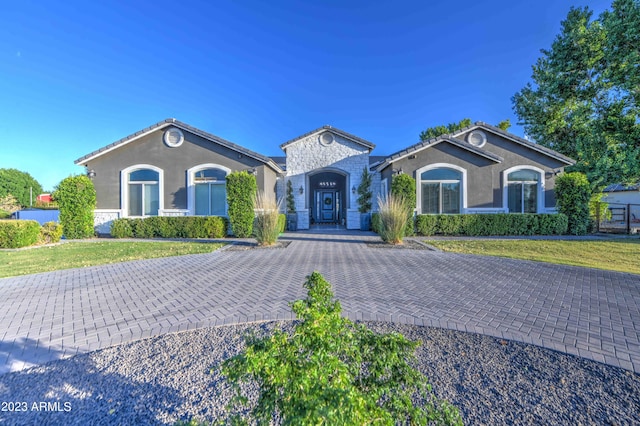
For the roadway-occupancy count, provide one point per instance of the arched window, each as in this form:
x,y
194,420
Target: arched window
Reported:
x,y
441,191
142,191
523,190
208,190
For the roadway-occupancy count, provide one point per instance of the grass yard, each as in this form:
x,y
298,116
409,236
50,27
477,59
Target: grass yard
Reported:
x,y
81,254
620,255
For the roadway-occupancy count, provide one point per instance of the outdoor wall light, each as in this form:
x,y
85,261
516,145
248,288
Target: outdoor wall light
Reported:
x,y
301,190
353,189
91,173
397,171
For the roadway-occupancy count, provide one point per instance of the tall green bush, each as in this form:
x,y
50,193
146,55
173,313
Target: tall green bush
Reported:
x,y
241,188
76,198
404,186
573,193
332,371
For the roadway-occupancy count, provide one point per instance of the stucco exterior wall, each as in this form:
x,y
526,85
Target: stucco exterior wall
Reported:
x,y
485,182
175,162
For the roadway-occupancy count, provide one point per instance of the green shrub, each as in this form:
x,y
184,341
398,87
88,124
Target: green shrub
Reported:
x,y
266,227
76,198
282,222
404,186
291,203
170,227
364,191
332,371
241,187
5,214
18,233
573,194
376,222
121,228
393,218
50,232
492,224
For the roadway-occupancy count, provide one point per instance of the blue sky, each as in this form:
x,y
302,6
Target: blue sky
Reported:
x,y
78,75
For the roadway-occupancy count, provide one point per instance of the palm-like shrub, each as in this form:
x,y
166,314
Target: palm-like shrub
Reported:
x,y
393,218
266,227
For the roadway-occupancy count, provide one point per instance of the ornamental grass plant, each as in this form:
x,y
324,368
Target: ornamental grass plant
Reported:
x,y
393,218
266,228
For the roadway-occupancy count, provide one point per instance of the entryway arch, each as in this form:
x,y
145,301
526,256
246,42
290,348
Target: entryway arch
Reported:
x,y
327,197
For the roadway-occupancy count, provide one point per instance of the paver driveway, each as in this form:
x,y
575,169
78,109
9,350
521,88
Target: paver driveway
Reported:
x,y
587,312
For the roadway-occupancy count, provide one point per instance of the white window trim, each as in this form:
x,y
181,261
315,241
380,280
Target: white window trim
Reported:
x,y
463,184
191,185
384,189
124,187
505,186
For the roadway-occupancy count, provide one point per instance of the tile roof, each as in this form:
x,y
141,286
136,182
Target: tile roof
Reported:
x,y
339,132
173,122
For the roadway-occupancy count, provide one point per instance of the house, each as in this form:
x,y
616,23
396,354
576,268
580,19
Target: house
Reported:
x,y
174,169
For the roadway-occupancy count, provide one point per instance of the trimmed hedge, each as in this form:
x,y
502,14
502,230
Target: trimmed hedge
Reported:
x,y
241,188
170,227
492,224
76,197
18,233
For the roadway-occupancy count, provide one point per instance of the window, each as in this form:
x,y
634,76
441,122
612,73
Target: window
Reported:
x,y
210,192
441,191
522,191
143,192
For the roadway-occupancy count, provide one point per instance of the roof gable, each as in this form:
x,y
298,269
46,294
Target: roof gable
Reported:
x,y
172,122
433,142
517,139
333,130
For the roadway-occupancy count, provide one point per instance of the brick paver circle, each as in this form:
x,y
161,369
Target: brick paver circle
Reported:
x,y
587,312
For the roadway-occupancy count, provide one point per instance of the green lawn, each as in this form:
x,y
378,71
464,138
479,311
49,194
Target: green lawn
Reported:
x,y
620,255
81,254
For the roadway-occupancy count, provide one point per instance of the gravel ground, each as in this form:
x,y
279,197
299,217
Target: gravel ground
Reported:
x,y
164,379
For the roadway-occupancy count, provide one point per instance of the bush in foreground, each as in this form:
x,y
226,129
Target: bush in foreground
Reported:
x,y
332,371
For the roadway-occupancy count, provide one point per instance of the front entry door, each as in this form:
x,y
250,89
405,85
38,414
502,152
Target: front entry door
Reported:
x,y
326,206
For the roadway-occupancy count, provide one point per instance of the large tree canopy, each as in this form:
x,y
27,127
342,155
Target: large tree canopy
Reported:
x,y
434,132
585,97
19,184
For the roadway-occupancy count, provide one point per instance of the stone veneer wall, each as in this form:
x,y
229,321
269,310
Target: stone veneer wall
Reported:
x,y
102,220
310,155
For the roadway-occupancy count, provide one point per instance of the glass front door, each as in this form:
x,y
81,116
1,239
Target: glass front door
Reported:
x,y
327,206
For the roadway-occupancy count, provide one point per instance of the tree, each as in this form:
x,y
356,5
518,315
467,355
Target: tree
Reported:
x,y
585,98
76,198
364,191
404,188
434,132
19,184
